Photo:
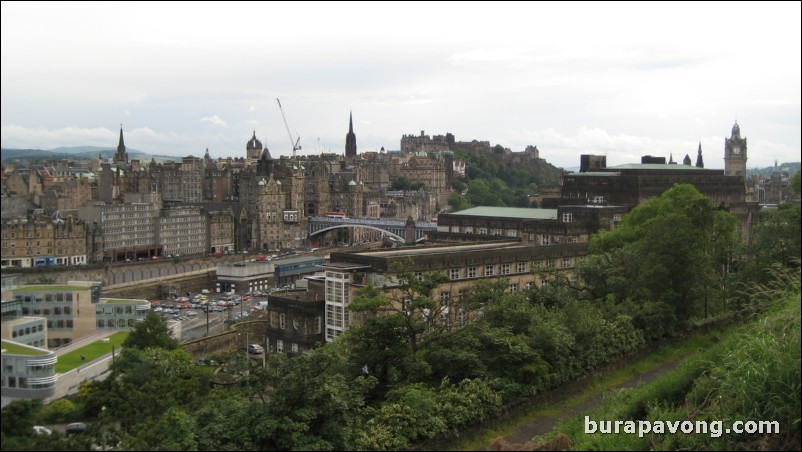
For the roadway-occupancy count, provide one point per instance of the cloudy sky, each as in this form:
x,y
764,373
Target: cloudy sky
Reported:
x,y
619,79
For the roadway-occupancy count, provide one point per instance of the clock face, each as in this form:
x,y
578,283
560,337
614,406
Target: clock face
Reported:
x,y
736,150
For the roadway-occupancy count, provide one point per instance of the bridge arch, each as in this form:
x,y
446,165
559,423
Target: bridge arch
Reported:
x,y
345,225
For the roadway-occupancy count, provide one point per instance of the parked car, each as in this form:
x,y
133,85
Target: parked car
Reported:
x,y
76,428
255,349
41,430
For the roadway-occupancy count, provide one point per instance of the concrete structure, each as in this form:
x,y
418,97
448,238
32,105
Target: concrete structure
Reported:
x,y
247,276
28,372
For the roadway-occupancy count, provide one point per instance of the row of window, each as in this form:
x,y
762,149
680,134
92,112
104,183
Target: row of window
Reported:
x,y
27,330
505,269
116,323
65,310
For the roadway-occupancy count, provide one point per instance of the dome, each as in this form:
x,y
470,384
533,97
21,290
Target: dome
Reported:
x,y
262,182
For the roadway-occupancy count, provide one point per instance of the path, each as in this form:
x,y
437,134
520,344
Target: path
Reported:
x,y
545,424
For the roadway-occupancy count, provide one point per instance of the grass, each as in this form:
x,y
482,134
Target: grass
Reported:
x,y
123,300
16,349
504,427
49,288
71,360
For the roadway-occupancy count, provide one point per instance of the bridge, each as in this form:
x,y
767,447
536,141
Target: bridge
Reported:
x,y
393,227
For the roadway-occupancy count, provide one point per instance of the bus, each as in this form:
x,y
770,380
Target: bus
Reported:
x,y
335,215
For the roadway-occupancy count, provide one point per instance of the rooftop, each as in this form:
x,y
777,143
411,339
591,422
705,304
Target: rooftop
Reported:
x,y
123,301
509,212
50,288
20,349
449,249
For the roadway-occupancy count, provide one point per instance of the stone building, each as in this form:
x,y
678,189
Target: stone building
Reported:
x,y
43,240
464,264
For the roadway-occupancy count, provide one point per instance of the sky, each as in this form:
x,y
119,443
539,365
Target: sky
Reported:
x,y
617,79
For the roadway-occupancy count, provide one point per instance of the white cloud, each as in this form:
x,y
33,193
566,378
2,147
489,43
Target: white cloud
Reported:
x,y
214,120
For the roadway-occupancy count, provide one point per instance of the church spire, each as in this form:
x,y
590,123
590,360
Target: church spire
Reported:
x,y
121,157
699,162
350,139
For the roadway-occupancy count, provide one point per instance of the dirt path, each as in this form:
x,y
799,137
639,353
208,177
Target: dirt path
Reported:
x,y
545,424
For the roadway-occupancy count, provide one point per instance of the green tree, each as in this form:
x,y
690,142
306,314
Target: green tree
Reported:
x,y
795,183
775,240
151,332
410,299
666,249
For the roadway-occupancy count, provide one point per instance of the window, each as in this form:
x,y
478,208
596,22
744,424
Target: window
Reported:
x,y
598,199
530,285
471,272
545,239
318,324
552,263
489,270
469,229
497,232
566,262
419,276
512,233
482,231
568,217
282,321
513,288
505,269
294,347
279,346
454,273
462,317
574,239
444,297
521,267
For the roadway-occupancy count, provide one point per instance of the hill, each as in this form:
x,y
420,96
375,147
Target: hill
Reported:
x,y
76,153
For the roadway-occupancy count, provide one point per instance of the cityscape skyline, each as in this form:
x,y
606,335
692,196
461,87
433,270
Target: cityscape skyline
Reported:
x,y
617,79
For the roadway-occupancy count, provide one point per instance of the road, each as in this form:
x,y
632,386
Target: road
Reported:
x,y
195,326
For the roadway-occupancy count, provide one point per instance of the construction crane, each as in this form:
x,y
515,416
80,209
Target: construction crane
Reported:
x,y
295,146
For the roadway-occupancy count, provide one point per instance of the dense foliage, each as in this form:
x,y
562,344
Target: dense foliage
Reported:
x,y
405,374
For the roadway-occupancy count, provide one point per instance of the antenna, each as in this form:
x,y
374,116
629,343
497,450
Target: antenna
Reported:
x,y
295,146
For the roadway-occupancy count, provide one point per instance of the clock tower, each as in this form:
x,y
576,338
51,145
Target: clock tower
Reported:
x,y
735,153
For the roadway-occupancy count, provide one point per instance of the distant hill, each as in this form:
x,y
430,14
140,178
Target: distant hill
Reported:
x,y
791,167
77,153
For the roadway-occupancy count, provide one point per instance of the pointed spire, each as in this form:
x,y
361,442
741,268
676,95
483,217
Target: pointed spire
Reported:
x,y
671,159
687,160
121,157
699,161
122,143
350,139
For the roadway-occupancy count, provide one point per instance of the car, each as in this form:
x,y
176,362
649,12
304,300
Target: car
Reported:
x,y
76,428
255,349
41,430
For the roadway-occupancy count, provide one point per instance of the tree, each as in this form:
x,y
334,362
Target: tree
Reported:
x,y
410,299
795,183
665,250
776,240
151,332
